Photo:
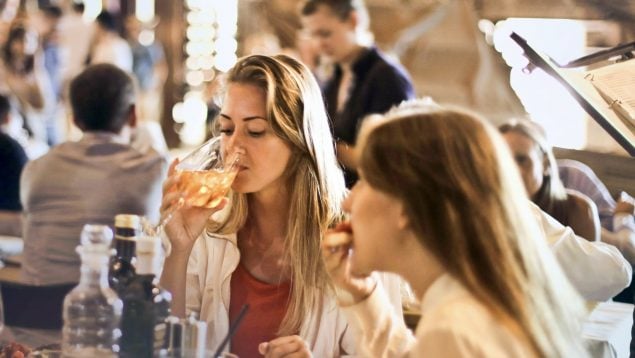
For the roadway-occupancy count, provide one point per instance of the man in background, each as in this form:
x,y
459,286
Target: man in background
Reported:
x,y
89,181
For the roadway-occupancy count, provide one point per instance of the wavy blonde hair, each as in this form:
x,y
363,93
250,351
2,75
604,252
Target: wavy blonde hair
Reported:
x,y
297,115
465,201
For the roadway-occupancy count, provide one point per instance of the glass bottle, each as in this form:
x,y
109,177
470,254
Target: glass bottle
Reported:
x,y
127,229
92,310
145,305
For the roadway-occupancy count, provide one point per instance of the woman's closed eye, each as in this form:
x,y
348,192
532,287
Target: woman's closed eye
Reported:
x,y
256,134
227,131
251,133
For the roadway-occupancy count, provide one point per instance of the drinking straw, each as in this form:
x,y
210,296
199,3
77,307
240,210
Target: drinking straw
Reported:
x,y
232,330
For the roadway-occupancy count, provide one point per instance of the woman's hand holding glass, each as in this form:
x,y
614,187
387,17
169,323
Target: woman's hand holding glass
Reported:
x,y
351,289
196,188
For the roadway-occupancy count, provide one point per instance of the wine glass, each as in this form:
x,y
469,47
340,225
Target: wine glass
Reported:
x,y
205,175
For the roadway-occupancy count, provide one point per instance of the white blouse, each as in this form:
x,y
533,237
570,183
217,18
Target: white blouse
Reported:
x,y
453,324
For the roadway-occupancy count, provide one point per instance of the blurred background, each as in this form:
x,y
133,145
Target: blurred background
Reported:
x,y
453,49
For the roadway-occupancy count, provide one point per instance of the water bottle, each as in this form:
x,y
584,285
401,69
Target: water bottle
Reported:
x,y
92,310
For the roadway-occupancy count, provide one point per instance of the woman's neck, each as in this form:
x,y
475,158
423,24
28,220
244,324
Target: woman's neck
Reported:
x,y
261,240
268,212
417,256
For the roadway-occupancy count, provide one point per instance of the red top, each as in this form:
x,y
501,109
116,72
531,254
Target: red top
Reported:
x,y
267,307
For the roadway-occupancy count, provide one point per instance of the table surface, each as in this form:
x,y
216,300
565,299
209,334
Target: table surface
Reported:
x,y
607,330
11,273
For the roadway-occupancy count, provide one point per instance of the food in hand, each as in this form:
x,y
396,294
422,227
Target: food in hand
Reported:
x,y
339,238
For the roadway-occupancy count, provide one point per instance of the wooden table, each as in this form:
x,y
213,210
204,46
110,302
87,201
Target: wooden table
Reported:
x,y
10,274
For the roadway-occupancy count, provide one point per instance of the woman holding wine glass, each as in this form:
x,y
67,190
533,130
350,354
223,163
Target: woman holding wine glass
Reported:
x,y
265,250
440,203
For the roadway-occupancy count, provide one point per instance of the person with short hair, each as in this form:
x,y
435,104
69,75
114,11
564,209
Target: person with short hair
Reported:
x,y
365,80
440,203
88,181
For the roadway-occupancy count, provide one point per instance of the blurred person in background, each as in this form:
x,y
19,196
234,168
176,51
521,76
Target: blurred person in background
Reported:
x,y
616,216
49,20
50,37
88,181
539,170
148,67
107,46
439,203
24,78
149,70
12,161
365,81
75,38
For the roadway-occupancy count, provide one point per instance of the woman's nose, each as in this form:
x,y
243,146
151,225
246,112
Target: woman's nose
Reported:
x,y
235,144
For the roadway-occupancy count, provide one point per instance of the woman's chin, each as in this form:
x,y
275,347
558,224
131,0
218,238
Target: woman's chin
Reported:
x,y
359,269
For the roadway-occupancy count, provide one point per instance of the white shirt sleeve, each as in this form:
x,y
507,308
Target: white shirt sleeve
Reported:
x,y
597,270
383,333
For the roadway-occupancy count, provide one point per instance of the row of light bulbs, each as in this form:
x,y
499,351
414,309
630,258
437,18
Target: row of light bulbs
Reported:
x,y
210,48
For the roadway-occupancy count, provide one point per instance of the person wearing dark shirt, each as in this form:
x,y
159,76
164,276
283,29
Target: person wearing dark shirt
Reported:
x,y
12,161
364,82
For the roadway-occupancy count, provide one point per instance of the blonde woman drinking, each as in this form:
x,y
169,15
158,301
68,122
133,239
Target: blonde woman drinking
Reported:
x,y
266,251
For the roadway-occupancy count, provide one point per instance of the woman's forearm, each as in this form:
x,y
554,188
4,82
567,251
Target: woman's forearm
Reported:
x,y
173,279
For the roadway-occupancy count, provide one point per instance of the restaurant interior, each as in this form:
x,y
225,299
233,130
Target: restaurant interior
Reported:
x,y
544,62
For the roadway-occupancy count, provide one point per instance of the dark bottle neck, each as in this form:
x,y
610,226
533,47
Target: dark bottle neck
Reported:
x,y
125,248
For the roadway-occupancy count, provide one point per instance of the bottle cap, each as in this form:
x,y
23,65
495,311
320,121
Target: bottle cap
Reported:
x,y
96,235
129,221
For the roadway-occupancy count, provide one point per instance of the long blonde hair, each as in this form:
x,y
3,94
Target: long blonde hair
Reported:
x,y
296,113
465,202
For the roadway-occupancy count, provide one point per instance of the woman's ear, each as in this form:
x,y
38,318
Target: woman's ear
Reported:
x,y
353,20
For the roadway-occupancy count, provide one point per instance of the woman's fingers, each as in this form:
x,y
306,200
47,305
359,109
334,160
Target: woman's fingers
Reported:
x,y
172,168
288,346
170,199
335,248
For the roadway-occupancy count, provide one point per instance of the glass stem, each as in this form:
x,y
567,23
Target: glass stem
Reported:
x,y
168,216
